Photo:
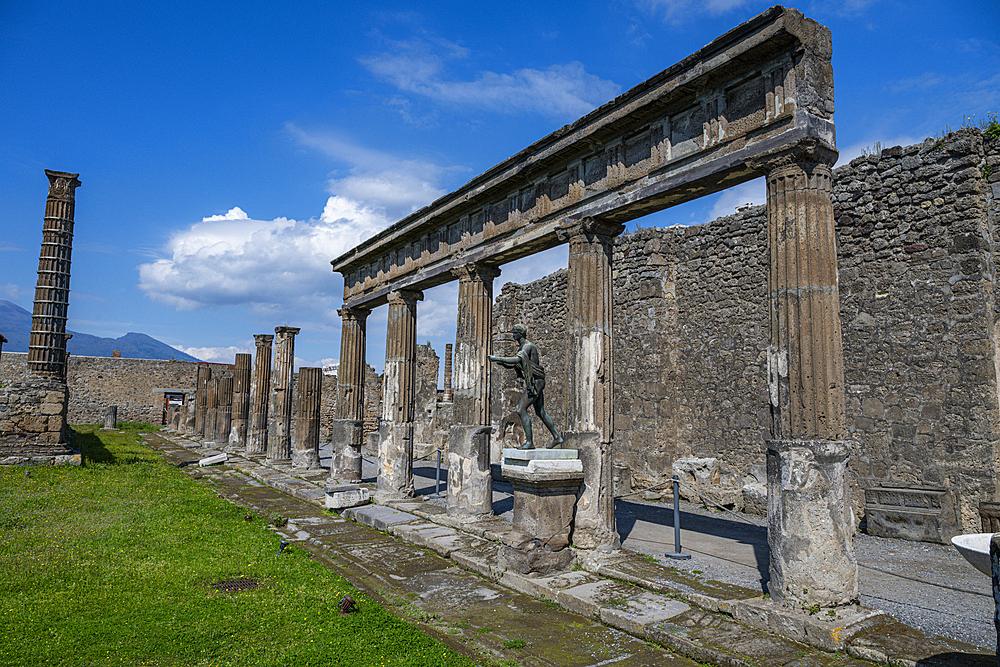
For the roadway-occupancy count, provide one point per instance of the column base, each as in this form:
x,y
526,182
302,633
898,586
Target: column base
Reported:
x,y
307,460
347,438
595,509
395,475
810,523
470,485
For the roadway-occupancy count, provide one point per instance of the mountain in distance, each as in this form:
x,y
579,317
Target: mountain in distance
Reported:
x,y
15,325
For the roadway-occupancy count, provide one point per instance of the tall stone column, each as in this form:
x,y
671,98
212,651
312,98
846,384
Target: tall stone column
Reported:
x,y
260,395
279,440
47,342
810,520
211,408
470,484
347,433
590,385
449,390
471,371
395,449
201,399
223,411
308,395
241,404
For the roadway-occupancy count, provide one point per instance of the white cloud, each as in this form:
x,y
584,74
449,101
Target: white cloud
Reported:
x,y
563,90
379,181
216,355
279,265
673,10
751,192
12,292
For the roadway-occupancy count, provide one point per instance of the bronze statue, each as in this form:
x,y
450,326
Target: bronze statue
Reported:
x,y
529,371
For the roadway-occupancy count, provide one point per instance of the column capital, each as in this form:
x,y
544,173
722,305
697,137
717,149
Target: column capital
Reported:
x,y
62,185
287,330
810,151
406,296
477,271
591,228
354,313
262,340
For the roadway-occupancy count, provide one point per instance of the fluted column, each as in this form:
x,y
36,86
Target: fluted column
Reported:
x,y
260,396
240,411
211,408
347,433
201,399
308,395
279,440
810,521
449,390
471,371
223,411
590,381
47,343
395,478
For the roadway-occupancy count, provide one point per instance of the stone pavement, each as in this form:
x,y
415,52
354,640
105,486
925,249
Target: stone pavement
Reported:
x,y
620,608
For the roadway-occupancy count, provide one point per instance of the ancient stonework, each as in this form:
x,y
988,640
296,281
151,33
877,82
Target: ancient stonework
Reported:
x,y
260,395
240,412
279,438
308,389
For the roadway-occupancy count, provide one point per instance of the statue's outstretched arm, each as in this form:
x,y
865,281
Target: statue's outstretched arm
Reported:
x,y
506,362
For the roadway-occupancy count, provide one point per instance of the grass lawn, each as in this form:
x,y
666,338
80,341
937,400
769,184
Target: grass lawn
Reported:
x,y
111,564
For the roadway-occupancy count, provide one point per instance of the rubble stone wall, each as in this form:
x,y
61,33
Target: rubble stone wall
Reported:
x,y
916,231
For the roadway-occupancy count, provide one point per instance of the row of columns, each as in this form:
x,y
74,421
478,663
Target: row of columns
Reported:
x,y
810,521
250,411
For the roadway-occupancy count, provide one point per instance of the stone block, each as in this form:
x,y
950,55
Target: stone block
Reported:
x,y
755,499
912,512
699,473
470,484
342,496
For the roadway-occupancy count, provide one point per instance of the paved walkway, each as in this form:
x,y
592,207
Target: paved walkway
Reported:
x,y
620,609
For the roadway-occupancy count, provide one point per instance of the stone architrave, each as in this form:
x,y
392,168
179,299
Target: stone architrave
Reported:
x,y
347,432
810,520
201,398
240,411
590,389
260,395
47,343
223,411
395,477
211,411
279,439
309,392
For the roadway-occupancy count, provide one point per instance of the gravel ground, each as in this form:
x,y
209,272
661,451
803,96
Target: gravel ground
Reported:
x,y
928,586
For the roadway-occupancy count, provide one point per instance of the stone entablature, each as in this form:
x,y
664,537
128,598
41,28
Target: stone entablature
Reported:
x,y
682,134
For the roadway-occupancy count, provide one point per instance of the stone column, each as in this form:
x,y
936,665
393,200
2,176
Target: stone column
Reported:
x,y
47,343
190,416
590,385
472,343
347,433
810,521
223,411
211,411
110,418
260,394
470,484
308,395
449,391
201,399
240,411
279,440
395,449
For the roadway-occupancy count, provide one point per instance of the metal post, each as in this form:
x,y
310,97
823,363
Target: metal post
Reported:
x,y
437,478
676,553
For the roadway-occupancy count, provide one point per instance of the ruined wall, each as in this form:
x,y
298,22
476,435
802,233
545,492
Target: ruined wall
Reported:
x,y
916,229
98,382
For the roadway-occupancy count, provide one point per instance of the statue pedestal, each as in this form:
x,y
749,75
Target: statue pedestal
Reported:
x,y
546,484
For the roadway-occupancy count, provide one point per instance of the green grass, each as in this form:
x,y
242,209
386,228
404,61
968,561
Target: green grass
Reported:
x,y
110,564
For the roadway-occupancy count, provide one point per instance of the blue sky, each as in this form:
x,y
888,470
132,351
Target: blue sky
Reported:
x,y
229,151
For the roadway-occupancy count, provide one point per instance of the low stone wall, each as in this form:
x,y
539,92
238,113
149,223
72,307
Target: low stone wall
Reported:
x,y
32,413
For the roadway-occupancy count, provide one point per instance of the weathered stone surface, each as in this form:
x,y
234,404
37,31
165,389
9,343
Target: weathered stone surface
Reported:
x,y
240,411
595,515
347,436
920,513
279,436
470,485
395,474
697,473
811,526
544,506
523,554
260,394
110,417
305,455
342,496
755,498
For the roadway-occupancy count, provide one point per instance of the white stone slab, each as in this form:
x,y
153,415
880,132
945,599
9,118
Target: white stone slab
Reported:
x,y
211,460
343,496
544,466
